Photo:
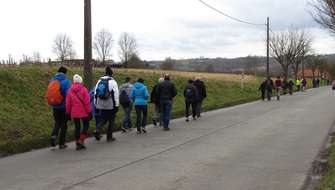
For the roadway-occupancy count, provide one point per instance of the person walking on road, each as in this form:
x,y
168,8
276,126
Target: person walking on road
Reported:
x,y
278,85
140,96
107,101
78,107
96,113
190,95
201,89
155,100
262,88
298,84
290,87
285,86
56,96
126,103
166,91
303,84
269,87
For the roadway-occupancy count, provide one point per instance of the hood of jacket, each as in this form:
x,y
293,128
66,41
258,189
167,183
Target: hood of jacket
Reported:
x,y
60,76
76,87
138,85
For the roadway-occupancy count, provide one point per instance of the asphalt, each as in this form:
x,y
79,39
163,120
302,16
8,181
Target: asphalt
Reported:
x,y
254,146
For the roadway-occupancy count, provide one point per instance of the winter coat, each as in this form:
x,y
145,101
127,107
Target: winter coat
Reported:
x,y
269,85
194,91
201,88
128,87
166,90
290,85
285,84
113,100
140,94
153,96
262,86
278,83
78,101
65,85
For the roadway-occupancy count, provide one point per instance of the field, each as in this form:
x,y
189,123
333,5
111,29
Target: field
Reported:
x,y
26,120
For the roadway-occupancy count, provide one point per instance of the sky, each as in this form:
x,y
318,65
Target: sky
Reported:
x,y
178,29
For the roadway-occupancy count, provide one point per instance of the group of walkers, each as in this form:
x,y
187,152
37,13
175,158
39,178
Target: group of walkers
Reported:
x,y
75,102
281,87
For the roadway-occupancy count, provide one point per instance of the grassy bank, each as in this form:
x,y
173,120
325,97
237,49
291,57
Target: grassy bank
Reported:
x,y
26,120
328,180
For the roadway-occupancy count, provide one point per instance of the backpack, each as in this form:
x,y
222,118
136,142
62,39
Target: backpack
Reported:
x,y
189,93
124,99
53,94
102,90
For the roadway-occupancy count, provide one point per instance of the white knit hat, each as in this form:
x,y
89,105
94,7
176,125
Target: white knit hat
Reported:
x,y
77,79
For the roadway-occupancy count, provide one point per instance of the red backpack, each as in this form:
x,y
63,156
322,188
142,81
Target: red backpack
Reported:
x,y
53,94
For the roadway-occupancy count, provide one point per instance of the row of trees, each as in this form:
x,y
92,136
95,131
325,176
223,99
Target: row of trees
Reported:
x,y
102,45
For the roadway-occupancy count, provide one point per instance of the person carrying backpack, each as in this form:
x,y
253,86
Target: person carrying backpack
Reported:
x,y
107,101
166,91
269,86
278,85
190,95
290,87
303,84
78,107
55,96
126,103
285,86
140,96
298,83
96,113
262,89
155,100
201,89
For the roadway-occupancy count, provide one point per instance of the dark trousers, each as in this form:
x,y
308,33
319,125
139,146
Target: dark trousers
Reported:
x,y
108,116
127,116
263,94
79,134
269,94
141,121
60,127
199,108
194,107
166,108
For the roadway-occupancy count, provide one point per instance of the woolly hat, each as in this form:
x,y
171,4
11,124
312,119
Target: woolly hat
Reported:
x,y
77,79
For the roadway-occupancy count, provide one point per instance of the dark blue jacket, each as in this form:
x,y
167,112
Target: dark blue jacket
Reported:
x,y
65,86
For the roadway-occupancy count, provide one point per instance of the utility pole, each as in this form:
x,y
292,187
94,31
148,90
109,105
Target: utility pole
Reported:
x,y
267,47
87,45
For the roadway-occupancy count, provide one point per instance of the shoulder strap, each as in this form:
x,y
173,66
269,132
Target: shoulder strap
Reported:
x,y
81,101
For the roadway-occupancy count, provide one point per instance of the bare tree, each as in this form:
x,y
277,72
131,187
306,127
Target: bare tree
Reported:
x,y
127,47
289,48
63,47
168,64
324,13
36,57
103,43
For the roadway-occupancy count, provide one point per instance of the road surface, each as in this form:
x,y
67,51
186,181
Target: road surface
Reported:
x,y
255,146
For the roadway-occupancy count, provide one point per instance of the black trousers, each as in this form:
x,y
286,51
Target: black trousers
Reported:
x,y
263,94
81,134
194,108
60,127
141,121
108,116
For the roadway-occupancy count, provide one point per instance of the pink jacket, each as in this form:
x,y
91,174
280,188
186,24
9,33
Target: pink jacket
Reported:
x,y
78,101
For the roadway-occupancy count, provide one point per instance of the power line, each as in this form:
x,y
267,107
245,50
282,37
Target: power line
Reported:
x,y
231,17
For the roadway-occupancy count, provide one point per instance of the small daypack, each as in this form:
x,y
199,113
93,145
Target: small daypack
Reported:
x,y
102,90
124,99
189,93
53,94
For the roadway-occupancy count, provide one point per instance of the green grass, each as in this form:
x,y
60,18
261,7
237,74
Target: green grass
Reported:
x,y
26,120
328,181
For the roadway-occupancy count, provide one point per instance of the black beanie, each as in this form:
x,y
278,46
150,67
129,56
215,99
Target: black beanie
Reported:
x,y
109,71
62,70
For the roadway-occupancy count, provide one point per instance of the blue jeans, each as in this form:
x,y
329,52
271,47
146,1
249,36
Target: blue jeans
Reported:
x,y
127,116
166,108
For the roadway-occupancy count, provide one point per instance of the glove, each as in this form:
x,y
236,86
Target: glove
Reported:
x,y
116,109
90,116
68,117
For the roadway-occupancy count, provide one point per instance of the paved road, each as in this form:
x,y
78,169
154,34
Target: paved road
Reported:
x,y
260,145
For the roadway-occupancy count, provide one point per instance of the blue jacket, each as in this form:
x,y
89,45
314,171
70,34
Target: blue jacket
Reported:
x,y
65,86
140,94
93,107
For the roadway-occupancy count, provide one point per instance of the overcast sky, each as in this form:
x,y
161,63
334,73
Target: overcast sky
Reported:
x,y
163,28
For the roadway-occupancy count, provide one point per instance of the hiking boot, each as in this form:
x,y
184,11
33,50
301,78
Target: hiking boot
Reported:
x,y
143,130
97,135
123,130
63,146
80,146
53,142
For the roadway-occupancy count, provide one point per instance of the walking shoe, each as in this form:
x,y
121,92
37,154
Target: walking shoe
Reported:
x,y
154,122
194,118
187,120
139,132
111,139
166,129
123,130
80,146
97,135
53,141
64,146
143,130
